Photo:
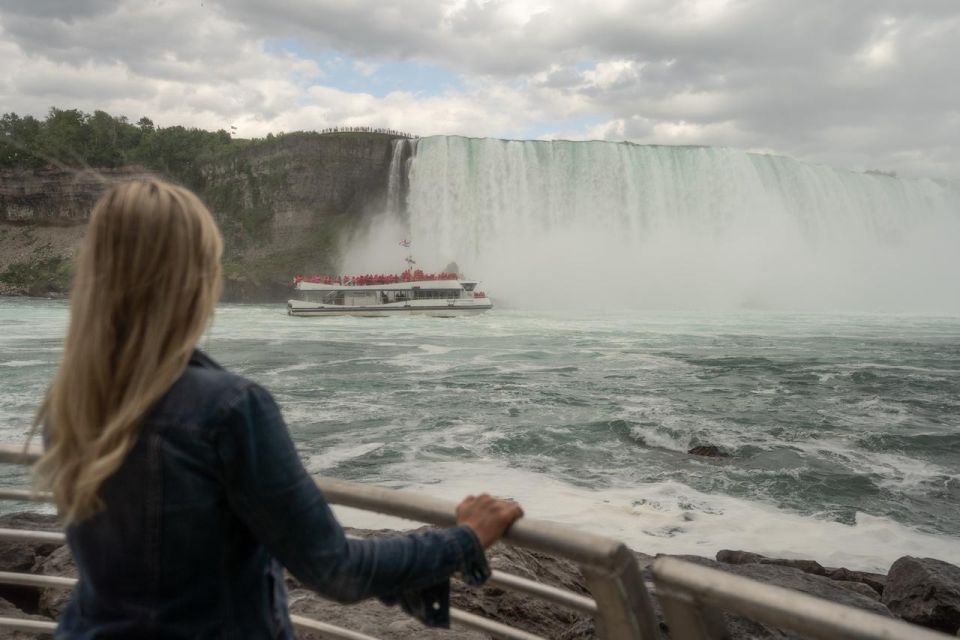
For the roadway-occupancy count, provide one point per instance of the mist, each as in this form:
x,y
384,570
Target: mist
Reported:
x,y
614,226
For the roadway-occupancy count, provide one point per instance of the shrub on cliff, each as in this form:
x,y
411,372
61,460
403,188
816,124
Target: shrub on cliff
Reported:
x,y
72,138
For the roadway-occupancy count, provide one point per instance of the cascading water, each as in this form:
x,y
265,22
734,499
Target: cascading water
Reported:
x,y
656,226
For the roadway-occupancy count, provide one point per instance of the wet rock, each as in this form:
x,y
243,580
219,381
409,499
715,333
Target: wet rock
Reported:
x,y
819,586
876,581
708,451
728,556
858,587
745,557
807,566
925,591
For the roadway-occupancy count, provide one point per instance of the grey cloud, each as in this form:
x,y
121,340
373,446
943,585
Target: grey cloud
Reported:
x,y
58,9
790,76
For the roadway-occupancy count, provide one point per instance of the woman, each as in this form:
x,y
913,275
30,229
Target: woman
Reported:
x,y
180,487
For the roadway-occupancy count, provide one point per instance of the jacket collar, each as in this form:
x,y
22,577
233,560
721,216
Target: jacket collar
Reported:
x,y
202,360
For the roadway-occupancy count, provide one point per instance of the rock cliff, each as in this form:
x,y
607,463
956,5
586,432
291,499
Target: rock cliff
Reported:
x,y
282,203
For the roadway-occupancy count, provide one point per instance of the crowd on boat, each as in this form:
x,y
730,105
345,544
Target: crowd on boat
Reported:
x,y
410,275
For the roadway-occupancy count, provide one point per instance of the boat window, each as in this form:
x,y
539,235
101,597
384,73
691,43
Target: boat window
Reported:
x,y
468,286
436,294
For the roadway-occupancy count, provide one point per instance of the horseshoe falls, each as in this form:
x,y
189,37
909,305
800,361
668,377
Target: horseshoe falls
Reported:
x,y
620,225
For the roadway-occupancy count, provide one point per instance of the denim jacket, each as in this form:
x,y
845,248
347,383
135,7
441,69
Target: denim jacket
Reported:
x,y
209,503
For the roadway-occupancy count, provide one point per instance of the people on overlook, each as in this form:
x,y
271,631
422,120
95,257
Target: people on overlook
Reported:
x,y
410,275
183,495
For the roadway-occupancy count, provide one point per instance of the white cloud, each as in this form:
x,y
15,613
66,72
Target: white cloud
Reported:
x,y
861,83
365,68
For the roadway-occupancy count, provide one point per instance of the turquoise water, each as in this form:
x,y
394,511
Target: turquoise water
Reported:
x,y
843,430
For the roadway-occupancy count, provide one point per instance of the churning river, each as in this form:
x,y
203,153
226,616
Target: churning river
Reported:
x,y
843,430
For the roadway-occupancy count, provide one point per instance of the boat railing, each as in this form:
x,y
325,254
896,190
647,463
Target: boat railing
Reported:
x,y
691,597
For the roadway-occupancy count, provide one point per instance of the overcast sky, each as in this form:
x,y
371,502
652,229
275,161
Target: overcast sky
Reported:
x,y
853,83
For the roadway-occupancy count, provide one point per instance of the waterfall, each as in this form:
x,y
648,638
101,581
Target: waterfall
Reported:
x,y
397,178
662,226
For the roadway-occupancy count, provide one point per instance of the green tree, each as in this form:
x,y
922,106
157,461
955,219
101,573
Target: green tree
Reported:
x,y
73,138
65,137
104,141
18,141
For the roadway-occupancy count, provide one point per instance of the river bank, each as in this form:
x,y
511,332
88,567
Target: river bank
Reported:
x,y
922,591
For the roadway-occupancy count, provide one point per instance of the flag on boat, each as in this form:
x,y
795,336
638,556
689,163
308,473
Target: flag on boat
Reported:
x,y
405,243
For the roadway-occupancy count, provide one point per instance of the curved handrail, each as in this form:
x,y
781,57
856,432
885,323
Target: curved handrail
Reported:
x,y
690,592
585,548
622,604
582,547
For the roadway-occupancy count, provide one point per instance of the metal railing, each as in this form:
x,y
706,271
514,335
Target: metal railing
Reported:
x,y
692,597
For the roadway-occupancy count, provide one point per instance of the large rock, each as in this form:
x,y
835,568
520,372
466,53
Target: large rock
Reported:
x,y
925,591
844,577
745,557
53,600
370,617
876,581
532,615
789,578
508,607
21,557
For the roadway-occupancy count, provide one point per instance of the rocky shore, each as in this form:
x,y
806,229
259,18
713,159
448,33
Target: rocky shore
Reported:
x,y
924,591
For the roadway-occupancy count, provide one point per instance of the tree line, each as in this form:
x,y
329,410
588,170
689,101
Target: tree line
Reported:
x,y
72,138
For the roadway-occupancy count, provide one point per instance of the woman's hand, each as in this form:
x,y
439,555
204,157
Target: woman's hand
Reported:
x,y
487,516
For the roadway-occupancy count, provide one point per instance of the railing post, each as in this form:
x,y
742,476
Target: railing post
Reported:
x,y
624,606
689,620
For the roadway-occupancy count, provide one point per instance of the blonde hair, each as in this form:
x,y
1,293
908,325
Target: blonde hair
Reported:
x,y
146,284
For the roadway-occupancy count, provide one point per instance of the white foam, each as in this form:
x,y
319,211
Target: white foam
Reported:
x,y
334,456
22,363
670,517
435,349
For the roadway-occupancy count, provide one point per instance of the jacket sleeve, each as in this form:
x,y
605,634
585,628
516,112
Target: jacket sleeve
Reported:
x,y
272,493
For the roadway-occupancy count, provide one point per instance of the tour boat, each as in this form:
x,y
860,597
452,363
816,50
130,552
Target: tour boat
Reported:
x,y
442,295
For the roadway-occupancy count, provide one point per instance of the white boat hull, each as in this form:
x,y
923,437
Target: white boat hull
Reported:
x,y
435,308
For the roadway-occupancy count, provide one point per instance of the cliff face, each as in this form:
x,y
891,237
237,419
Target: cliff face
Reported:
x,y
43,215
282,204
55,196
